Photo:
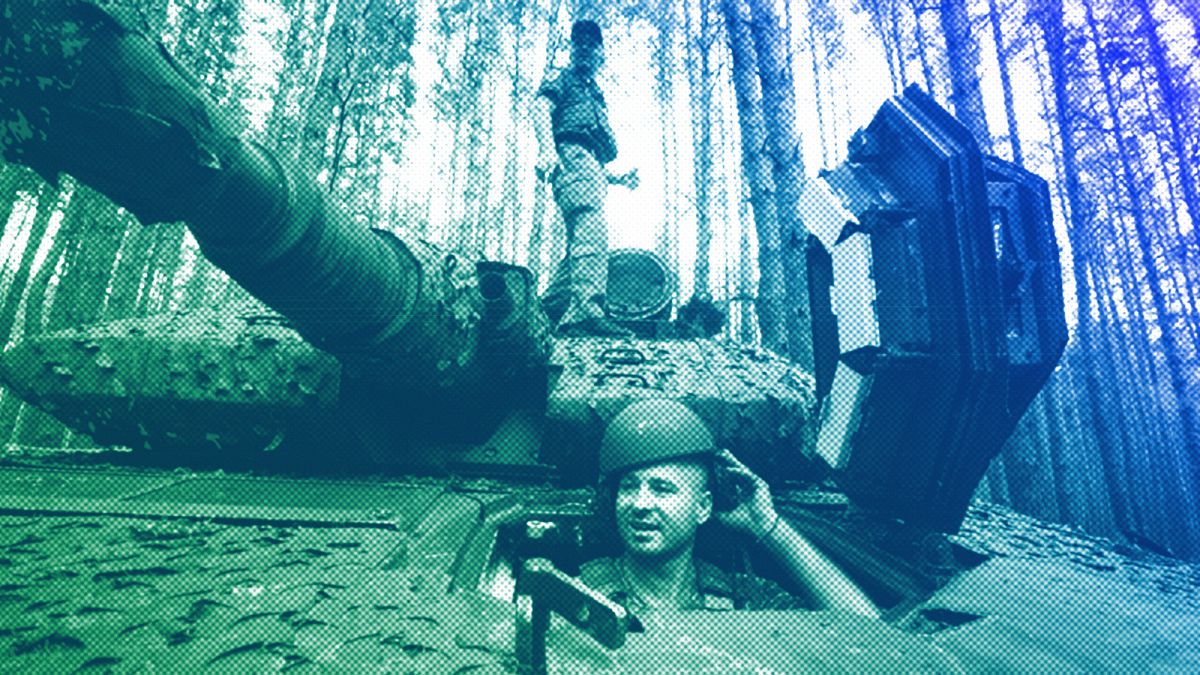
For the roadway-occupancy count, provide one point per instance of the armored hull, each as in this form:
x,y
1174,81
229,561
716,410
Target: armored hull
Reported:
x,y
288,574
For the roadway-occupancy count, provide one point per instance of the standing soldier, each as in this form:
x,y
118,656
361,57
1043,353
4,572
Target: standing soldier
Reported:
x,y
575,142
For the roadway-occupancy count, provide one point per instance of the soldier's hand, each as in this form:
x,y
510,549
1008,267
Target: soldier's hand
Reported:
x,y
630,179
753,512
547,165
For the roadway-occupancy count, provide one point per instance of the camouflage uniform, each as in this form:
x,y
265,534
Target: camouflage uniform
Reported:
x,y
585,143
719,590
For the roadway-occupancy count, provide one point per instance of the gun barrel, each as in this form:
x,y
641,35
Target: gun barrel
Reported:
x,y
345,287
123,117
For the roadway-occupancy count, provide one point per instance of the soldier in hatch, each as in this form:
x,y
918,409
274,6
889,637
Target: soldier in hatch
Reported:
x,y
575,142
659,461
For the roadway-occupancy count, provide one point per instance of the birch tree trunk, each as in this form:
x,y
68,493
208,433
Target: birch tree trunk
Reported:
x,y
510,198
298,78
129,277
478,168
883,16
49,201
1010,112
468,87
1171,98
1186,8
819,15
918,10
756,168
85,281
667,240
40,292
15,180
700,85
746,317
900,81
545,216
787,165
962,56
330,94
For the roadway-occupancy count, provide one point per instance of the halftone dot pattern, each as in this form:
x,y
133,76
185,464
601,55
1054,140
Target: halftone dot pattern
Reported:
x,y
310,469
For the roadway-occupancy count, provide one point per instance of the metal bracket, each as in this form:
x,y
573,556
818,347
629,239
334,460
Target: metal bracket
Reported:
x,y
551,590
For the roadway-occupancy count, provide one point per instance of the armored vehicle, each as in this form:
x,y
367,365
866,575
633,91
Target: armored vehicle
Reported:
x,y
936,313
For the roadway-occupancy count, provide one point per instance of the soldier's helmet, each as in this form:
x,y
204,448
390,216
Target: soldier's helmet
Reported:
x,y
652,431
586,31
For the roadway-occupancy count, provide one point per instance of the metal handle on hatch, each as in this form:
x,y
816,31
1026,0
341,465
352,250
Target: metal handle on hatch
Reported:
x,y
553,591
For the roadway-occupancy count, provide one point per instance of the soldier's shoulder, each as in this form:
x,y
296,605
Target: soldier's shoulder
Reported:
x,y
713,579
552,82
760,593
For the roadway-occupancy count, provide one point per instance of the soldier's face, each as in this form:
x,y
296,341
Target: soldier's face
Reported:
x,y
587,56
659,507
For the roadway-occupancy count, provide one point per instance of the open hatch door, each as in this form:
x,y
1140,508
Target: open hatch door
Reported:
x,y
942,275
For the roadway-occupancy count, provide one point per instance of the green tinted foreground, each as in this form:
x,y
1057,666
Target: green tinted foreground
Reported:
x,y
125,595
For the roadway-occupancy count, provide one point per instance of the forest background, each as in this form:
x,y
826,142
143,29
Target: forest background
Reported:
x,y
416,115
